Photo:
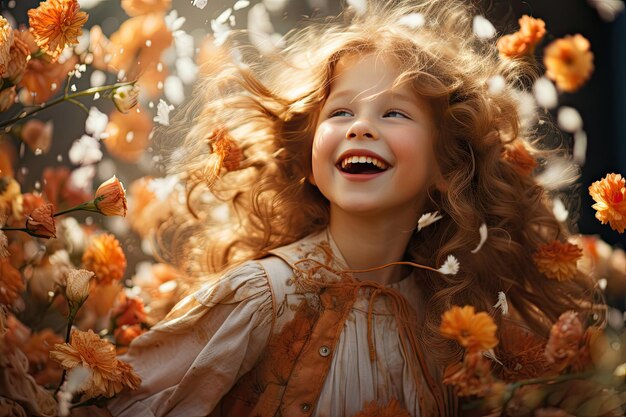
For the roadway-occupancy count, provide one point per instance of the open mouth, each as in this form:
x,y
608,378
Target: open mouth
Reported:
x,y
362,165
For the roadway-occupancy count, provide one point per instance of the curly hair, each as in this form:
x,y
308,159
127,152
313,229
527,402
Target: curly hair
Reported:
x,y
270,108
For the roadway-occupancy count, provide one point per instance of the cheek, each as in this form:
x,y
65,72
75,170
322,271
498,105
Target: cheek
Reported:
x,y
322,147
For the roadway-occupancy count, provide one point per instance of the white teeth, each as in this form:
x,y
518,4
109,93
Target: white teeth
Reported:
x,y
362,160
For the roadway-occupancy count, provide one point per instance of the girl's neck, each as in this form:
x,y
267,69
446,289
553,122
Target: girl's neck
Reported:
x,y
367,241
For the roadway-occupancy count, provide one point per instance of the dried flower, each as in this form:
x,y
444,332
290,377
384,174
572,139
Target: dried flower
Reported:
x,y
569,62
564,342
19,54
557,260
450,266
609,194
127,333
40,222
55,24
127,135
6,40
427,219
77,287
105,257
473,331
37,135
139,7
471,377
108,374
125,97
502,303
519,157
110,198
11,282
129,311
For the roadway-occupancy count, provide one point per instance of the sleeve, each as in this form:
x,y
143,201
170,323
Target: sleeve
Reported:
x,y
189,361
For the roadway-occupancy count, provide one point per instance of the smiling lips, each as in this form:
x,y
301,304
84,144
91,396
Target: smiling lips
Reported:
x,y
361,162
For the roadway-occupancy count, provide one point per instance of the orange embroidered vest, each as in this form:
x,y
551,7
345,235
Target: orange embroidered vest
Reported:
x,y
311,304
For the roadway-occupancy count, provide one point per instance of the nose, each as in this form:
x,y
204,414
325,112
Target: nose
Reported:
x,y
362,129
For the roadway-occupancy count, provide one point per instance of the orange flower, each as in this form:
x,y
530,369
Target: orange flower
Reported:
x,y
470,377
110,198
37,135
55,24
6,40
564,342
569,62
108,375
557,260
99,48
37,350
522,42
127,135
138,7
105,257
224,146
374,409
609,194
19,54
473,331
43,79
7,98
11,282
126,334
517,155
531,30
40,222
129,311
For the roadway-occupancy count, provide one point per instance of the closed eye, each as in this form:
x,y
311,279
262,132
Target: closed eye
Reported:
x,y
340,113
396,113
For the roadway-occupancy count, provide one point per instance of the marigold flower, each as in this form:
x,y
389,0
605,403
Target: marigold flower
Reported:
x,y
569,62
108,376
519,157
19,55
110,198
105,257
531,30
37,350
7,98
471,377
77,286
11,282
37,135
557,260
55,24
6,40
127,333
564,342
609,194
473,331
125,97
40,222
139,7
127,135
522,42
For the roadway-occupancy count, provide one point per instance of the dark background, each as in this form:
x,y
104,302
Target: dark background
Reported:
x,y
601,102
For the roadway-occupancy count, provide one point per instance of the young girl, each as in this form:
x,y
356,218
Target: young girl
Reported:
x,y
327,156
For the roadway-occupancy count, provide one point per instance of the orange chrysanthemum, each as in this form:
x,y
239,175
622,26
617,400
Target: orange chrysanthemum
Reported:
x,y
55,24
564,342
108,374
522,42
569,62
609,194
557,260
519,157
531,30
129,311
11,282
474,331
105,257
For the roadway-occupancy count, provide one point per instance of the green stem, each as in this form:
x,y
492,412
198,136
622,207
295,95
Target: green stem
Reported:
x,y
88,206
68,332
61,99
18,229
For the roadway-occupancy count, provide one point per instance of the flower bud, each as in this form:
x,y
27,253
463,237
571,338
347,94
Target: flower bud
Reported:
x,y
125,97
110,198
40,223
77,286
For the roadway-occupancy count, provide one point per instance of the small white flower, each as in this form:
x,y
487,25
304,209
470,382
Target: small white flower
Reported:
x,y
85,151
427,219
502,303
496,85
98,78
569,119
412,20
184,44
96,123
545,93
482,28
200,4
173,22
360,6
125,97
163,113
483,237
450,266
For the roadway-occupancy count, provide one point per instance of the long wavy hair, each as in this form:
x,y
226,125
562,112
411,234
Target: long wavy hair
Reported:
x,y
269,107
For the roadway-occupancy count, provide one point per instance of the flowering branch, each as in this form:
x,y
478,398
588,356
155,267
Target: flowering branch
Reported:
x,y
66,97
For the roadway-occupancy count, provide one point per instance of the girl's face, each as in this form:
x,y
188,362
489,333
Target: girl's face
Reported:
x,y
373,145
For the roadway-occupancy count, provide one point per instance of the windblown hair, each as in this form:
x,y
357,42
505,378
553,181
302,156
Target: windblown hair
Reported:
x,y
270,108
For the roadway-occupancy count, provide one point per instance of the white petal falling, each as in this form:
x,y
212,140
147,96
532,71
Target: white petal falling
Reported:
x,y
241,4
427,219
200,4
412,20
450,266
580,147
569,119
360,6
502,303
174,90
559,173
96,123
545,93
559,210
496,85
482,28
483,237
98,78
85,151
163,113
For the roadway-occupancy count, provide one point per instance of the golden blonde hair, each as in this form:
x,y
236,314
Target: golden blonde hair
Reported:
x,y
270,107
